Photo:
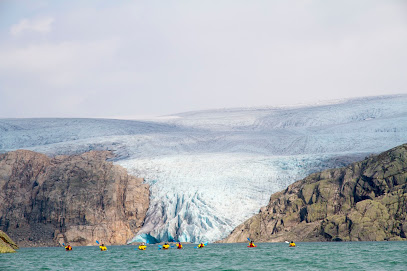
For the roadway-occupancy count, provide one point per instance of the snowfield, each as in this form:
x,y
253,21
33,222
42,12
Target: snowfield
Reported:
x,y
211,170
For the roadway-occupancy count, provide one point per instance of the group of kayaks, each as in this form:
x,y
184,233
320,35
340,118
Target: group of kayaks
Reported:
x,y
166,246
101,246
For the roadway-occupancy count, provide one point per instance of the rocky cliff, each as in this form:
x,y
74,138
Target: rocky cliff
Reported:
x,y
6,244
365,201
73,199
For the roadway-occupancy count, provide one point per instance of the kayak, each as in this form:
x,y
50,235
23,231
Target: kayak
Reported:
x,y
142,247
251,246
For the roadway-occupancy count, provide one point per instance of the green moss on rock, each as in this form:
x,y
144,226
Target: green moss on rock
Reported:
x,y
6,244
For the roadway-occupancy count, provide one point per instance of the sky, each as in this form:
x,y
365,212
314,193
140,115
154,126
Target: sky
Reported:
x,y
130,59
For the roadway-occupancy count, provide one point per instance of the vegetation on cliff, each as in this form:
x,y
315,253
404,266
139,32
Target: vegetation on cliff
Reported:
x,y
365,201
6,244
73,199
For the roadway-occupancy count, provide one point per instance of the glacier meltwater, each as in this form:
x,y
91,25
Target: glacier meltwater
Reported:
x,y
210,170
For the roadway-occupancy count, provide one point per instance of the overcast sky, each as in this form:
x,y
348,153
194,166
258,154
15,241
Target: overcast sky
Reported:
x,y
123,59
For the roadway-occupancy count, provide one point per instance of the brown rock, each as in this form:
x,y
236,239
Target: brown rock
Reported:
x,y
72,199
365,201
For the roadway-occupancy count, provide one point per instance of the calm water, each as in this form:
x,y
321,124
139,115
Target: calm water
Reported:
x,y
270,256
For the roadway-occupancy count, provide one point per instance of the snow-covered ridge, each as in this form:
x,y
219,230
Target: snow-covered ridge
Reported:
x,y
210,170
319,114
284,107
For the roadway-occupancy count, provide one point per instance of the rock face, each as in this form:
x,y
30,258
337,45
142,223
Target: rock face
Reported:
x,y
73,199
366,201
6,244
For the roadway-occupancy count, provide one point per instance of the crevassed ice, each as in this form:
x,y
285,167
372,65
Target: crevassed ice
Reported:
x,y
210,170
203,197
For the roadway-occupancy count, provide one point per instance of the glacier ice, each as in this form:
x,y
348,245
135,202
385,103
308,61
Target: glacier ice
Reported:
x,y
210,170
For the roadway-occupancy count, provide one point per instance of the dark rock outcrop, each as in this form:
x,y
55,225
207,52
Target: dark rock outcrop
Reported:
x,y
6,244
365,201
73,199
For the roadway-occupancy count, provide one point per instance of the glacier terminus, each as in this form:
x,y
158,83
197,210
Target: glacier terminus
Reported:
x,y
210,170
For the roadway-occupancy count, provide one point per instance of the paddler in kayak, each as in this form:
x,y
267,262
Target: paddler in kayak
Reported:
x,y
166,246
142,246
251,244
68,247
201,245
103,247
179,245
292,244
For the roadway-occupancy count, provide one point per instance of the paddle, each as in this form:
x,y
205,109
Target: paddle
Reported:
x,y
286,242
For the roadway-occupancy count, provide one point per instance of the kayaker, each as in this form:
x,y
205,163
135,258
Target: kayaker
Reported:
x,y
179,245
292,244
142,246
103,247
201,245
166,246
252,244
68,247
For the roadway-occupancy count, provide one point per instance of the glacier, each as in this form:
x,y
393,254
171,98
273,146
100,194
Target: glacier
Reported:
x,y
210,170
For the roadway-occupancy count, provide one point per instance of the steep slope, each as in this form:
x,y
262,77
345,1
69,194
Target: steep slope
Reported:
x,y
6,244
365,201
199,164
76,199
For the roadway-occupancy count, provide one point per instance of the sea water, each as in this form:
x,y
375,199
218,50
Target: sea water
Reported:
x,y
266,256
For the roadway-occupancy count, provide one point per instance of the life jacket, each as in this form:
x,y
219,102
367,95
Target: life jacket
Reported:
x,y
103,248
291,245
252,245
142,247
166,246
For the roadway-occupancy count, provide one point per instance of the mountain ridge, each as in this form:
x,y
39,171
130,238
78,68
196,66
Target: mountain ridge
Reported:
x,y
365,201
